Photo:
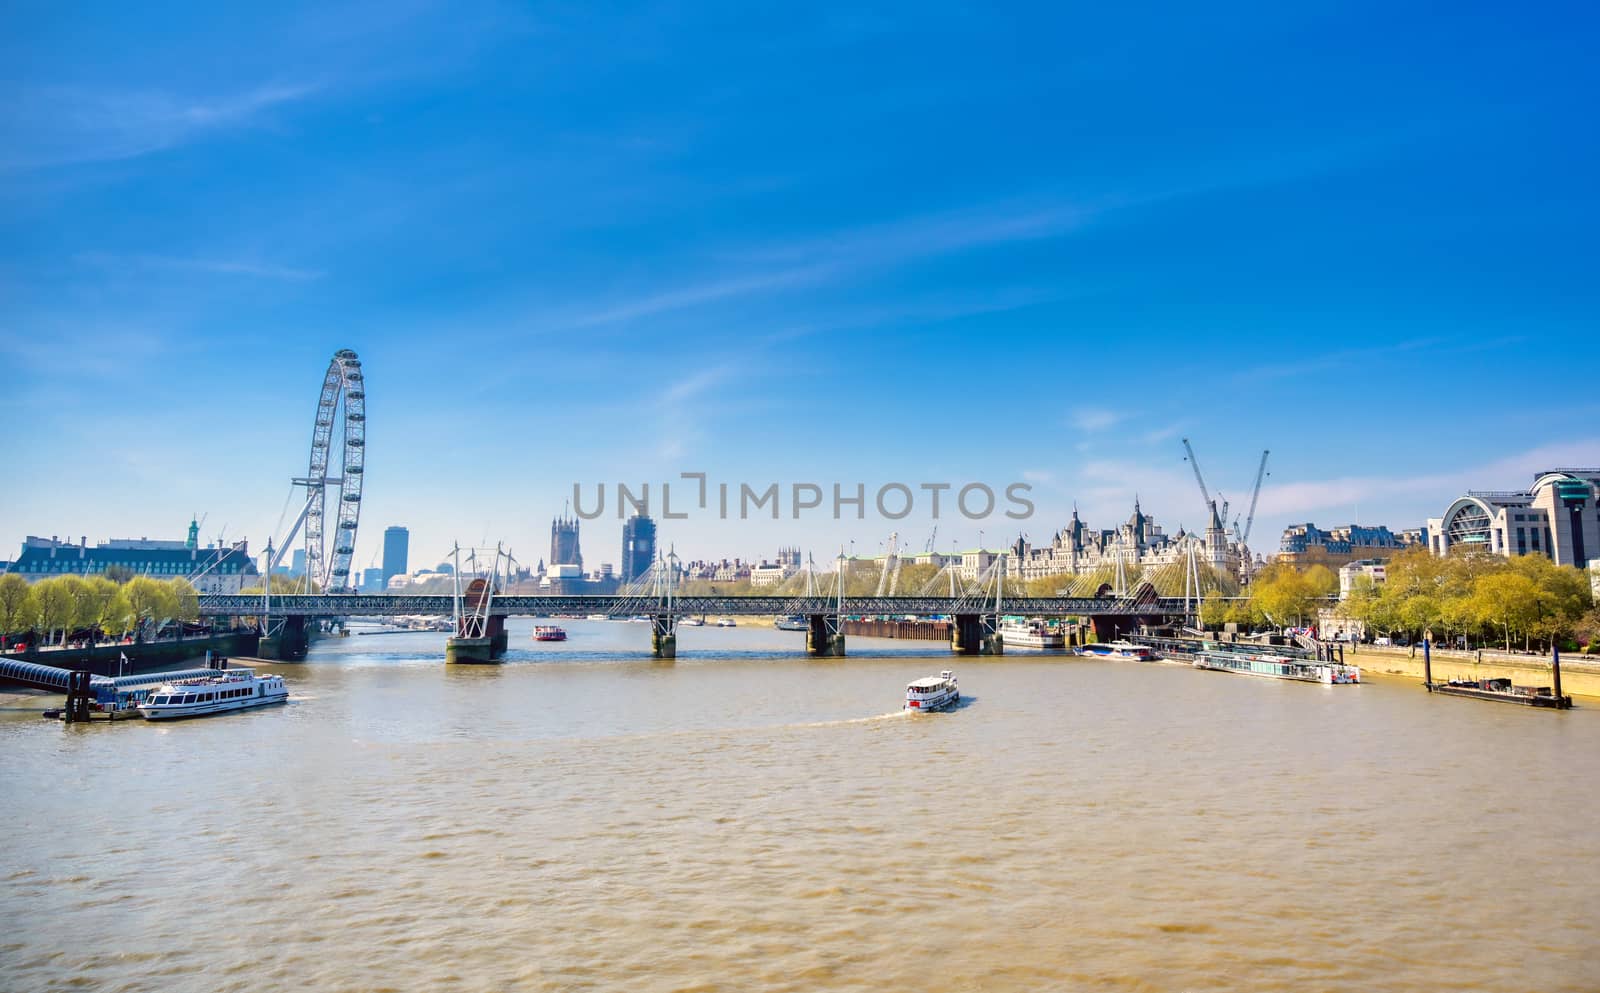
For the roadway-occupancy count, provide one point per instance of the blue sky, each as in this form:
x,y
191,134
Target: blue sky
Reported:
x,y
585,243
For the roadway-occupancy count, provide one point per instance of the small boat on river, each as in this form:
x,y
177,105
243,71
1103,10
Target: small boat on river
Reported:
x,y
932,693
1115,650
549,632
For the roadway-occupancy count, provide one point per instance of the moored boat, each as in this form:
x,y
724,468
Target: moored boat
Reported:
x,y
597,617
932,693
692,622
229,689
1032,633
727,622
1116,650
790,622
1501,690
549,632
1279,667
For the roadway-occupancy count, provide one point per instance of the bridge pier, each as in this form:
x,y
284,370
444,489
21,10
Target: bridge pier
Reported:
x,y
485,649
1112,627
824,636
975,634
80,694
664,636
289,644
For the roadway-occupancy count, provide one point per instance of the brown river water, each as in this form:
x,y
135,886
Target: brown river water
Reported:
x,y
583,818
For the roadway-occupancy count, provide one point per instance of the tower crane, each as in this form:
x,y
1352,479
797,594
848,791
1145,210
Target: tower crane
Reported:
x,y
1255,494
1205,494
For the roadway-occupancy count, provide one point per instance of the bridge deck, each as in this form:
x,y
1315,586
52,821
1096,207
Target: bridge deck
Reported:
x,y
360,605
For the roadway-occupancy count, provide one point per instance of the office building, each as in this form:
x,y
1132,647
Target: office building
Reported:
x,y
396,547
1557,517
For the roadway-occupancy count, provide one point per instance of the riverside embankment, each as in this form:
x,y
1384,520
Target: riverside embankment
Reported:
x,y
107,659
1580,674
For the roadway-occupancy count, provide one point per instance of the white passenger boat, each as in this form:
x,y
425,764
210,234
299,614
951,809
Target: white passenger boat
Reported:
x,y
932,693
597,617
1118,650
692,622
727,622
790,622
229,689
1033,633
1279,667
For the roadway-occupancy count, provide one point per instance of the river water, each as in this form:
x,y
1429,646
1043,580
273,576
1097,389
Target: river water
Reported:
x,y
584,818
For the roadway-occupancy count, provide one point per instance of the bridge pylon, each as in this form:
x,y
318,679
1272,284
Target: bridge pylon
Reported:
x,y
479,634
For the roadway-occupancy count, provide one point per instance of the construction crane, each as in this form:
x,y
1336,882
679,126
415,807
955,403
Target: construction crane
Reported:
x,y
1205,494
1255,494
934,534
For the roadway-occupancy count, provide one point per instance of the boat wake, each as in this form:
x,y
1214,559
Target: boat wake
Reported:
x,y
843,722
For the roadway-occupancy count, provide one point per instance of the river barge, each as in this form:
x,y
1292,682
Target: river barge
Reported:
x,y
1501,690
1280,667
1498,689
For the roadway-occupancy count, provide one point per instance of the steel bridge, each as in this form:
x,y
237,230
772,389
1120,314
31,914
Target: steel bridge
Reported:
x,y
386,605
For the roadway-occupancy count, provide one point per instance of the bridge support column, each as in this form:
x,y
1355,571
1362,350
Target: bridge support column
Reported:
x,y
290,642
469,651
478,649
664,636
824,636
499,641
975,634
79,695
1108,627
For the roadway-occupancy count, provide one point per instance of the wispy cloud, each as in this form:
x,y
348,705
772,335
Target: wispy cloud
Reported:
x,y
1344,492
691,387
57,125
1351,358
1092,419
226,267
851,253
701,293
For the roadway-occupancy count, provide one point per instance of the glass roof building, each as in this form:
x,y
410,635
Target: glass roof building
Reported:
x,y
1557,517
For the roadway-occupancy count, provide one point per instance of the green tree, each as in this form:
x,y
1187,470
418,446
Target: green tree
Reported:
x,y
1321,580
112,615
1507,601
185,600
57,607
19,607
1213,610
81,593
1283,596
152,601
1419,614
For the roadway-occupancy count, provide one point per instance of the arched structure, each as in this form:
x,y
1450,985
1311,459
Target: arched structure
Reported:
x,y
1469,524
343,391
